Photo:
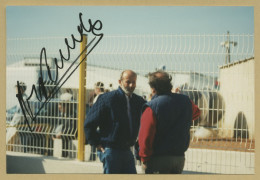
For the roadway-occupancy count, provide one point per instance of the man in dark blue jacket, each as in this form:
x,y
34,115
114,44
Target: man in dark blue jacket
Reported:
x,y
165,127
117,115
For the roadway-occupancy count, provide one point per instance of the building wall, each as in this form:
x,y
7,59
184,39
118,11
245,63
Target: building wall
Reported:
x,y
237,89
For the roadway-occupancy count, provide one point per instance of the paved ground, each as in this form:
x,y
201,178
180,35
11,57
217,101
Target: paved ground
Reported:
x,y
197,162
20,163
220,161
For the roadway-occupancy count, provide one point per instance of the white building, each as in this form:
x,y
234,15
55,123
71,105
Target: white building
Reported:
x,y
237,85
28,71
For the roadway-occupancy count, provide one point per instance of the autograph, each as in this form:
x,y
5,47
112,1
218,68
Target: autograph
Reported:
x,y
26,109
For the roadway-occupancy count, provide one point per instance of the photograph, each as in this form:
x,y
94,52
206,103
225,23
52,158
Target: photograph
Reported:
x,y
130,89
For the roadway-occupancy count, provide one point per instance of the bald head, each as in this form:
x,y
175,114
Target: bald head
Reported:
x,y
127,81
127,73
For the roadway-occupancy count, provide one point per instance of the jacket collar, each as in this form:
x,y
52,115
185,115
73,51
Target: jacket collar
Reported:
x,y
120,90
155,96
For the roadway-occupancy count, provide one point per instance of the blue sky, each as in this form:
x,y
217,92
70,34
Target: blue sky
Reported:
x,y
62,21
41,21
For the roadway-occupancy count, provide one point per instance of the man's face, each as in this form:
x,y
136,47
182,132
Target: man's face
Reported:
x,y
128,83
153,92
62,107
97,90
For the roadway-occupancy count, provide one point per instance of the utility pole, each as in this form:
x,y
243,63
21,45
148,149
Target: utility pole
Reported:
x,y
226,44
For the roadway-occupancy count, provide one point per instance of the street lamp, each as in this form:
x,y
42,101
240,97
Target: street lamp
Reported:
x,y
226,44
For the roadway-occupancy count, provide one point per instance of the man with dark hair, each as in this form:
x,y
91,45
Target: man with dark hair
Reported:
x,y
117,115
165,127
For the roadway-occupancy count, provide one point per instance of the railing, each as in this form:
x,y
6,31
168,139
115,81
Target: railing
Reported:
x,y
204,67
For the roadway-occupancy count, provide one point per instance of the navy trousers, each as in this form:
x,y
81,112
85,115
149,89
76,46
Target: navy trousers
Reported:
x,y
117,161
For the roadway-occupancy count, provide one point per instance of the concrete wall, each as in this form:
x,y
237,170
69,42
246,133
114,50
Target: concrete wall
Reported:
x,y
237,88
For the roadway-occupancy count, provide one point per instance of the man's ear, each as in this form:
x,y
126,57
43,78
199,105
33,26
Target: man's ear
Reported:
x,y
119,82
153,91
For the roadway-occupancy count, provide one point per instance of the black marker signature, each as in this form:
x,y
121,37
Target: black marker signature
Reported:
x,y
97,26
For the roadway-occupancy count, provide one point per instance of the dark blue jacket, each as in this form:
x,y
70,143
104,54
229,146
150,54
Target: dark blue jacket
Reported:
x,y
173,114
109,113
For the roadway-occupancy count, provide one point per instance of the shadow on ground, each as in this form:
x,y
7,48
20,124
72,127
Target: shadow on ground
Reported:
x,y
22,165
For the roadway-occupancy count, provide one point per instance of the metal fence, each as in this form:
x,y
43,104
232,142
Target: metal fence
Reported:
x,y
216,71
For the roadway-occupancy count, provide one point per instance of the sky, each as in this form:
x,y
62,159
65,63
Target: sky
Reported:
x,y
62,21
42,21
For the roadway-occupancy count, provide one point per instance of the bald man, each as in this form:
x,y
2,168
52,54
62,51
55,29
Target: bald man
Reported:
x,y
117,115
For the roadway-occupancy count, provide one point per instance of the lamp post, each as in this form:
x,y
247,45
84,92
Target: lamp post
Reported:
x,y
226,44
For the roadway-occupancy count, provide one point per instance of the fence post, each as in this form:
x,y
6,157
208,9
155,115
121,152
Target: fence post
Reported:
x,y
82,100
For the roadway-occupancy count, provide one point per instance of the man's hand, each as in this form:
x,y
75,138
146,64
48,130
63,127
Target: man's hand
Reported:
x,y
144,165
100,148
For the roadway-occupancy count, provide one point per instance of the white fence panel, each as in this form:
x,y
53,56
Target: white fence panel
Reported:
x,y
215,70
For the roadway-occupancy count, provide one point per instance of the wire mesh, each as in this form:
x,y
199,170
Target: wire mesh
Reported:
x,y
215,70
